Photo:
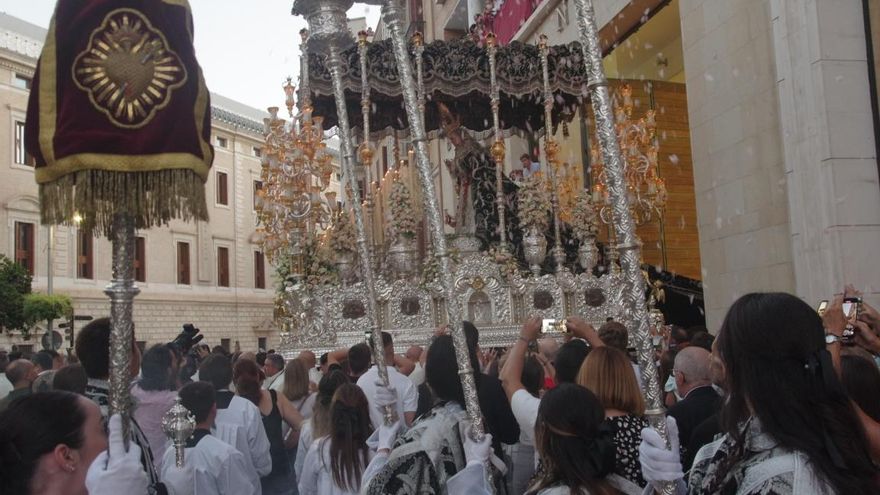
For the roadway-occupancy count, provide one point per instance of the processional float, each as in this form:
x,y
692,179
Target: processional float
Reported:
x,y
320,312
119,124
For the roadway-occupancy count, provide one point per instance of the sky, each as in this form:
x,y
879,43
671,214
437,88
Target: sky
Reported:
x,y
246,48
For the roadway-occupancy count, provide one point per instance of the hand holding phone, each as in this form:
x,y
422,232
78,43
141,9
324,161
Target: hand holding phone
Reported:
x,y
550,326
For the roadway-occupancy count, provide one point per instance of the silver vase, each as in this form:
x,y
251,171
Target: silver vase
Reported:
x,y
535,249
588,254
402,257
345,266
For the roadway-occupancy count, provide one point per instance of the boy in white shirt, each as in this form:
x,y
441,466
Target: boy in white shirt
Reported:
x,y
212,465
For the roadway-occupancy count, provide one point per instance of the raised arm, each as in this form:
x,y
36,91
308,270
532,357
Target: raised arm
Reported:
x,y
511,374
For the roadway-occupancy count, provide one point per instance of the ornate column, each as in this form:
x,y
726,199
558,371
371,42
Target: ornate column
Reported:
x,y
628,243
330,35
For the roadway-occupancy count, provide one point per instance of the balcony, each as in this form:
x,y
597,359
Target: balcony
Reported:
x,y
511,16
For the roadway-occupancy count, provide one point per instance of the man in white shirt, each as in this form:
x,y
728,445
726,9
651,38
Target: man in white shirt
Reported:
x,y
213,467
529,167
274,370
408,395
238,422
5,384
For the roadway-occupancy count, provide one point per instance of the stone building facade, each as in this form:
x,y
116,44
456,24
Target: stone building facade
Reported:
x,y
782,124
211,274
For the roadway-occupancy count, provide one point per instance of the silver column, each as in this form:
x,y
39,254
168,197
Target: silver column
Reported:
x,y
121,292
628,243
329,34
391,14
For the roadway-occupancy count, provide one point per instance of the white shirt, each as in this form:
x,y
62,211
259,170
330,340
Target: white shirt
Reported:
x,y
316,478
315,375
407,394
5,386
302,449
241,425
525,410
274,382
418,375
212,467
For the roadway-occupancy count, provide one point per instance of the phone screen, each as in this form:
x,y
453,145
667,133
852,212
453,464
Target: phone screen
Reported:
x,y
822,307
553,326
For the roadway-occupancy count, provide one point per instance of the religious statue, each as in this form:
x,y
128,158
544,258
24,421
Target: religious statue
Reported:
x,y
473,172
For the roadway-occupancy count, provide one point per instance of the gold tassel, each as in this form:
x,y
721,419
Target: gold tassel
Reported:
x,y
153,198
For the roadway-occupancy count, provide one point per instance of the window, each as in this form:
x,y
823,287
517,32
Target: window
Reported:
x,y
259,270
258,152
261,343
224,343
222,267
22,157
222,142
183,263
140,259
24,245
222,191
22,82
258,186
84,255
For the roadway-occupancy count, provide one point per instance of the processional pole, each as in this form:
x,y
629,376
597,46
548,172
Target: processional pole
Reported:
x,y
391,11
329,35
131,114
498,146
551,153
629,245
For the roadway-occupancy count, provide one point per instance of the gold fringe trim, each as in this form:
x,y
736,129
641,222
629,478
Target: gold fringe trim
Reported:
x,y
153,198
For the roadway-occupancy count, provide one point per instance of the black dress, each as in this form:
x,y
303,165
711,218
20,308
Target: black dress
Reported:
x,y
627,436
278,480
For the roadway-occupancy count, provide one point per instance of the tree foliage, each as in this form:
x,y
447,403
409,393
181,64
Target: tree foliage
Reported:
x,y
15,284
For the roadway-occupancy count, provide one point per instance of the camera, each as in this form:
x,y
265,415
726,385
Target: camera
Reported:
x,y
553,326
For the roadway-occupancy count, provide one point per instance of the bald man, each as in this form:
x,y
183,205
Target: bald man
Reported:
x,y
693,380
311,361
21,373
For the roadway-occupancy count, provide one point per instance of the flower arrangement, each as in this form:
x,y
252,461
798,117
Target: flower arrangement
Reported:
x,y
584,220
403,217
431,267
507,263
319,266
534,205
341,234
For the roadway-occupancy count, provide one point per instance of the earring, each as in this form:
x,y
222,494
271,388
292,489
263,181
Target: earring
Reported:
x,y
70,468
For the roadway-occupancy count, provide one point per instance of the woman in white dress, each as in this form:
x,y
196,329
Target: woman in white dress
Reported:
x,y
335,463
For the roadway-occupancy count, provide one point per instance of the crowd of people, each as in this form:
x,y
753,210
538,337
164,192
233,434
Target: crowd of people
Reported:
x,y
780,400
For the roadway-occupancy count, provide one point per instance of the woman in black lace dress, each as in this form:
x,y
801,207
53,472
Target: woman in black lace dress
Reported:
x,y
607,372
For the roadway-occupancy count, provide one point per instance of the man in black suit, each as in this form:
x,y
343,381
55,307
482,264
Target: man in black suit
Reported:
x,y
697,399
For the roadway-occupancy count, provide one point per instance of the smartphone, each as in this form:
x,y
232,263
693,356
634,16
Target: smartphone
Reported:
x,y
554,326
852,306
823,305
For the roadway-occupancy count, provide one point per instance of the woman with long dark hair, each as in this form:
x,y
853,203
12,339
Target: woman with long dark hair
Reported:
x,y
335,463
274,408
788,425
319,424
575,445
433,450
49,442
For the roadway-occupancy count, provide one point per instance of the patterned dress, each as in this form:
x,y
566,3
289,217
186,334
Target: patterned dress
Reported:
x,y
627,436
764,468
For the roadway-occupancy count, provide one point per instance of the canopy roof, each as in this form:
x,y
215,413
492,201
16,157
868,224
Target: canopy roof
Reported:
x,y
457,74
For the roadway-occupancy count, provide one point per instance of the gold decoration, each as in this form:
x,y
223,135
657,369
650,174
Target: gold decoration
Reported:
x,y
645,189
128,69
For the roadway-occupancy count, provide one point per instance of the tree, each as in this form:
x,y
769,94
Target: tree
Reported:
x,y
15,284
43,307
